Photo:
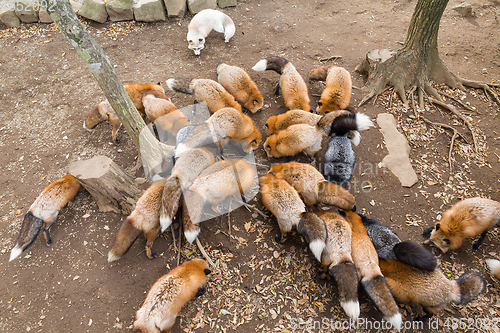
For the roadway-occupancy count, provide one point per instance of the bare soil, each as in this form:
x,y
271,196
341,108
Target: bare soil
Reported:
x,y
46,93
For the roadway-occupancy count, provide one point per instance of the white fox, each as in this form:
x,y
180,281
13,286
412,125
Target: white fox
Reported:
x,y
201,25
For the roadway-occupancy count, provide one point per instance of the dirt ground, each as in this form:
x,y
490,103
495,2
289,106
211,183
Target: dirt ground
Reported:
x,y
46,93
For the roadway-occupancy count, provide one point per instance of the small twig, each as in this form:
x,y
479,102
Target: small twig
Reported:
x,y
250,206
459,102
202,250
229,218
316,95
453,110
330,58
354,87
390,100
103,254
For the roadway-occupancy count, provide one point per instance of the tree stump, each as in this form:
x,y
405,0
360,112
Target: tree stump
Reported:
x,y
112,187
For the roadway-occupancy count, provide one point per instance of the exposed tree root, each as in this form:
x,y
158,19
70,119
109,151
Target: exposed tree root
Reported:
x,y
204,253
453,110
465,106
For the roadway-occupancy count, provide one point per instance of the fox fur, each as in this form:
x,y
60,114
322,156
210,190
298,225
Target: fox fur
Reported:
x,y
466,218
227,123
239,84
337,259
366,260
283,201
494,266
338,90
169,294
144,218
206,90
339,160
186,168
293,86
312,186
203,23
162,112
44,211
103,111
390,247
431,289
282,121
220,180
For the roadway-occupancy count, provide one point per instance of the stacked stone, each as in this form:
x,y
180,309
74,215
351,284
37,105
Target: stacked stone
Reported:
x,y
15,12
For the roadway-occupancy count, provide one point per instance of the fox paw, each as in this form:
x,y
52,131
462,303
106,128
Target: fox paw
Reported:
x,y
153,255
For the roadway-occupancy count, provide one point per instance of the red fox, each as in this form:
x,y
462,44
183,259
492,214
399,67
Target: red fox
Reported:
x,y
467,218
201,25
220,180
431,289
169,294
162,112
239,84
337,259
284,202
366,260
186,168
144,218
277,123
225,124
44,212
338,90
312,186
104,111
206,90
293,86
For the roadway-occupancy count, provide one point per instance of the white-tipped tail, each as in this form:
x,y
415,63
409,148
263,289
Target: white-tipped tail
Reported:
x,y
363,121
165,222
112,257
351,308
170,84
493,265
180,149
317,247
356,139
260,66
191,235
396,321
16,252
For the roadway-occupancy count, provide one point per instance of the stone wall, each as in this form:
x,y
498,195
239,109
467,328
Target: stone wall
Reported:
x,y
13,13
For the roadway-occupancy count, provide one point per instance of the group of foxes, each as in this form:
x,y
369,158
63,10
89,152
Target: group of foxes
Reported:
x,y
350,247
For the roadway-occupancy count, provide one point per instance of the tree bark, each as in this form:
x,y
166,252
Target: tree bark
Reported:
x,y
101,67
112,188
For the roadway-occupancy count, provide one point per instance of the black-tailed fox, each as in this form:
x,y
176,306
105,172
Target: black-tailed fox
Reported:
x,y
467,218
44,212
293,86
239,84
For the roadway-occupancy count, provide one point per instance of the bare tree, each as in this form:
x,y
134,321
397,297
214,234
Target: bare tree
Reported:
x,y
417,62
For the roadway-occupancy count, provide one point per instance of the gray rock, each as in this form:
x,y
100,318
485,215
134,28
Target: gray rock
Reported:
x,y
196,6
398,160
94,10
26,12
43,16
175,8
120,10
464,9
149,11
75,5
8,16
227,3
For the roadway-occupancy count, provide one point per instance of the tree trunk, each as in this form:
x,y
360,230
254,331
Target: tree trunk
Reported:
x,y
112,188
418,61
101,67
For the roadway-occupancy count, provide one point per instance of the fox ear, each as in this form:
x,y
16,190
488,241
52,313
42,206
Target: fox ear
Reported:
x,y
353,209
437,227
342,213
207,271
447,241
